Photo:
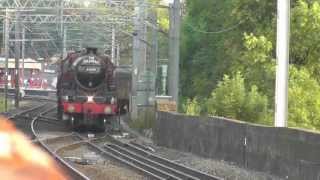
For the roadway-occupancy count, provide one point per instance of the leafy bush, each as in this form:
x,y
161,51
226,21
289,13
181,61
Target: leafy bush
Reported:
x,y
304,99
231,99
192,107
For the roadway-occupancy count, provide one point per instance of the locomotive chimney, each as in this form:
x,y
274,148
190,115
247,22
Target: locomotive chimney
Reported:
x,y
91,50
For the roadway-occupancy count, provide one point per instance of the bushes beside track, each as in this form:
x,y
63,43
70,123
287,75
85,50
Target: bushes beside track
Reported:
x,y
146,120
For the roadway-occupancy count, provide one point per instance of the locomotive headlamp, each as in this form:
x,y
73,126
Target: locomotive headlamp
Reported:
x,y
107,110
66,98
70,108
90,99
113,100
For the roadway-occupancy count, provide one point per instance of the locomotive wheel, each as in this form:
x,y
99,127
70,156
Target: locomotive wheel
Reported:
x,y
73,123
68,122
100,125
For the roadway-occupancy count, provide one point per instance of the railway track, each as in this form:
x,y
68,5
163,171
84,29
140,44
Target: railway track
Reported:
x,y
34,115
77,147
161,167
133,156
23,119
128,154
68,169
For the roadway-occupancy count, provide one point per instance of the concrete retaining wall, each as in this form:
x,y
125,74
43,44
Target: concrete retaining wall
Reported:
x,y
284,152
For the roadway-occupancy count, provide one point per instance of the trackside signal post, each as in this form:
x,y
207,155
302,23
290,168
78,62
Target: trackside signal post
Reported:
x,y
283,36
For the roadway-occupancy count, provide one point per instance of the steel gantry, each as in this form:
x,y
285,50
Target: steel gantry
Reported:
x,y
64,13
73,19
68,24
67,4
30,18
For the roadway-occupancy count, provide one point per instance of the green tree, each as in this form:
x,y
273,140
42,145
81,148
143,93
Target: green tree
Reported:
x,y
305,40
247,51
257,64
212,39
204,59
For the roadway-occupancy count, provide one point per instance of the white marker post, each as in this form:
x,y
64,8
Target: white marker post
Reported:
x,y
283,36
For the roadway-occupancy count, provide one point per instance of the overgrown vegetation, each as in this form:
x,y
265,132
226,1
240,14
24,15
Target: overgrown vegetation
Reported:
x,y
228,60
2,109
1,105
146,120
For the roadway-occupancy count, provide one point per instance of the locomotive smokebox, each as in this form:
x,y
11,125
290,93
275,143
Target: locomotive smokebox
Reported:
x,y
90,70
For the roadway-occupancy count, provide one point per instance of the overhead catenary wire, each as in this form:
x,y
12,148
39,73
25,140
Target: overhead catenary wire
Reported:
x,y
218,31
36,8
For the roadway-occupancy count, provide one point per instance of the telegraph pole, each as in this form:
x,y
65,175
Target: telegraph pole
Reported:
x,y
135,59
153,60
23,52
174,50
3,35
62,30
118,54
64,43
60,12
113,44
139,53
17,50
6,49
154,48
283,39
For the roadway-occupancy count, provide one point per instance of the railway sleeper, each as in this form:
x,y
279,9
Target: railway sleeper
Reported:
x,y
155,164
192,172
143,165
126,162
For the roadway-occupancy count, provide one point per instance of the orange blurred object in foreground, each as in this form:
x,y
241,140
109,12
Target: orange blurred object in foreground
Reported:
x,y
20,160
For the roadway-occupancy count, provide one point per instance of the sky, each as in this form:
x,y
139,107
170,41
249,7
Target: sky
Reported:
x,y
167,1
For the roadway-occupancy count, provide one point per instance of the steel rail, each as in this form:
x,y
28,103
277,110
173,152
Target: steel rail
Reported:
x,y
71,171
145,165
166,169
26,111
108,155
155,164
135,149
128,162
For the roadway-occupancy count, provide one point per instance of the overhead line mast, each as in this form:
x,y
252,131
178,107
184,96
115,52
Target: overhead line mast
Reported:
x,y
283,39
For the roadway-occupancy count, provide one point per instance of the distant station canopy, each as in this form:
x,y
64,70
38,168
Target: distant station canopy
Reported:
x,y
28,63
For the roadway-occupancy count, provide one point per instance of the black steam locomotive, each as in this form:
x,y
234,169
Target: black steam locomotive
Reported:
x,y
91,91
